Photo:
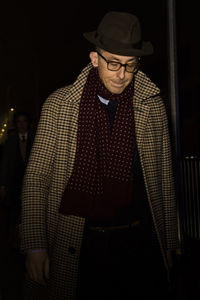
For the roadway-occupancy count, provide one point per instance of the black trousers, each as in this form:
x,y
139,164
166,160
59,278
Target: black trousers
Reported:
x,y
124,264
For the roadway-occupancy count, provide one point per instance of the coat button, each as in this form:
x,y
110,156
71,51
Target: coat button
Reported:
x,y
72,250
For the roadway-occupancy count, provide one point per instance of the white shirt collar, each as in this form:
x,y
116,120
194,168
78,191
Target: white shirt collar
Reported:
x,y
104,101
23,134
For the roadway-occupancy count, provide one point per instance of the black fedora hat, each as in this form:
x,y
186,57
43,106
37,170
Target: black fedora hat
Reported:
x,y
120,33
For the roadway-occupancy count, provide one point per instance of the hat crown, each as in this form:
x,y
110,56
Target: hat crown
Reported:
x,y
120,33
123,27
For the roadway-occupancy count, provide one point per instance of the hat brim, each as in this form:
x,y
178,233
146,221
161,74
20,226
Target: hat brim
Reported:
x,y
146,48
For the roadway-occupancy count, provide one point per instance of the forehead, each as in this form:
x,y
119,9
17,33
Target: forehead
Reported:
x,y
122,58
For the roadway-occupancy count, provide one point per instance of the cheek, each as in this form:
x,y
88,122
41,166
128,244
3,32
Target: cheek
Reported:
x,y
129,80
129,76
103,75
106,81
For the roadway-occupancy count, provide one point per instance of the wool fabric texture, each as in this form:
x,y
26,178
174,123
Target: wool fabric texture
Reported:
x,y
101,181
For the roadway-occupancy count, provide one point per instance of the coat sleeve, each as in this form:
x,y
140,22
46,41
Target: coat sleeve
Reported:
x,y
168,187
37,179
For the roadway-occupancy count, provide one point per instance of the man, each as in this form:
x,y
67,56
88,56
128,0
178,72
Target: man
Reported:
x,y
14,159
99,211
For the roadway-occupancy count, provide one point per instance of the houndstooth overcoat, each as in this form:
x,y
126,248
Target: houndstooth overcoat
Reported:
x,y
51,164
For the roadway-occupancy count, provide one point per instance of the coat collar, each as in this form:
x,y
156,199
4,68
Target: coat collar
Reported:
x,y
75,92
144,88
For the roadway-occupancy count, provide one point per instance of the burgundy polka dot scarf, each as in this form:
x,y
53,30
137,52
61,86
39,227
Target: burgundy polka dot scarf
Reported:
x,y
101,180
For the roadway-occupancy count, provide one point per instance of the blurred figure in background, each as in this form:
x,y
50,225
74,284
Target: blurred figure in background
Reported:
x,y
14,157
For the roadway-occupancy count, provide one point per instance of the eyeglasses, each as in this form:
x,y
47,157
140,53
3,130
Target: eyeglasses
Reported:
x,y
131,67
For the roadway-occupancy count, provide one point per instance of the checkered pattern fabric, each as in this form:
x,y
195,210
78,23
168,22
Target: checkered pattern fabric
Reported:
x,y
50,167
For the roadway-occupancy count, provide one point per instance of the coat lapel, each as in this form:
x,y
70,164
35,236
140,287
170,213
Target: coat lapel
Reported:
x,y
141,113
68,124
144,89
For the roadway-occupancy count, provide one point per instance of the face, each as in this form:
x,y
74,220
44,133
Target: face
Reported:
x,y
22,124
114,81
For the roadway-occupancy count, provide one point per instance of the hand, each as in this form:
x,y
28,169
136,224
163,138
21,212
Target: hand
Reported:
x,y
37,265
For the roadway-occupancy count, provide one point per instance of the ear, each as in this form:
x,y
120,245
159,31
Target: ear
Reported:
x,y
94,58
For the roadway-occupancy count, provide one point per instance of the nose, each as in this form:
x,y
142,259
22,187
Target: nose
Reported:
x,y
121,72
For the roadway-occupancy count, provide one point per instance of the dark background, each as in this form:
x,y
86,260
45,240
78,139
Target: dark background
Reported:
x,y
42,49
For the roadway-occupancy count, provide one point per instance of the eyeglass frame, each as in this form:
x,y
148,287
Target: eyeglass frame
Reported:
x,y
120,64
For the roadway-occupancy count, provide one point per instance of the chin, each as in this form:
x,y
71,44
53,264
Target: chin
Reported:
x,y
116,91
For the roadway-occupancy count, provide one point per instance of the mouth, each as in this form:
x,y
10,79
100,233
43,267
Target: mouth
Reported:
x,y
119,85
